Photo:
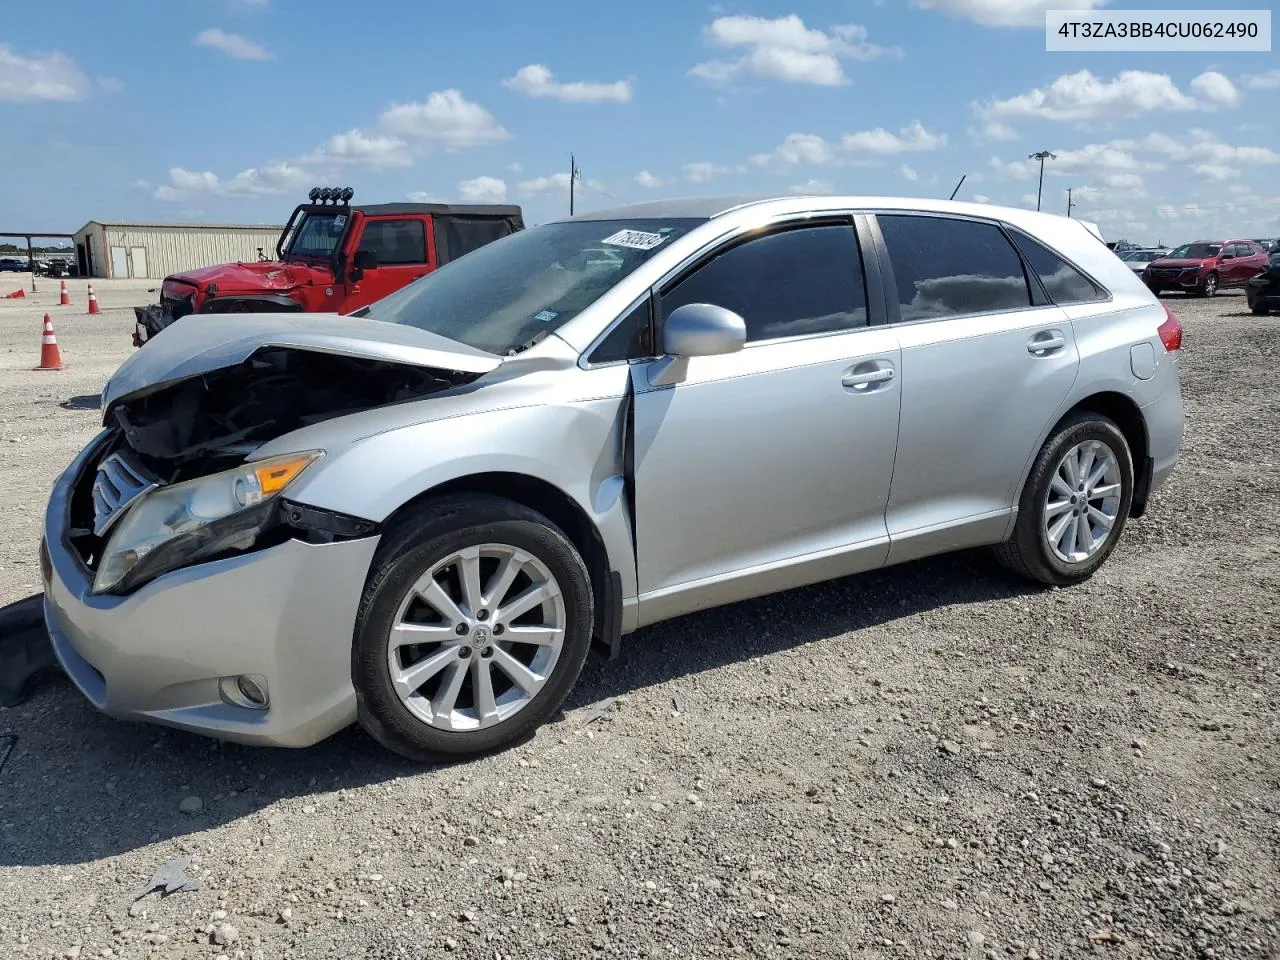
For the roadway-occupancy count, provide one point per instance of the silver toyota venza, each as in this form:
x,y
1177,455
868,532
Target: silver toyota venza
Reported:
x,y
421,517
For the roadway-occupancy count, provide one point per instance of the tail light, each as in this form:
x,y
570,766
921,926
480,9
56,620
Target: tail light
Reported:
x,y
1170,331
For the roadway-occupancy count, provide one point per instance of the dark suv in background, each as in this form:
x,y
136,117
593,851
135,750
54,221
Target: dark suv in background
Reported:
x,y
1205,267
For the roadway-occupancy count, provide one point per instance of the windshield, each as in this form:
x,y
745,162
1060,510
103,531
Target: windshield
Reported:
x,y
1196,251
508,294
318,235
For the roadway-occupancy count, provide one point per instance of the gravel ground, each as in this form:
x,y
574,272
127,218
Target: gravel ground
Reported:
x,y
932,761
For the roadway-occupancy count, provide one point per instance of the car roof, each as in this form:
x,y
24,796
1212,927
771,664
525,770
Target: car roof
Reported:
x,y
710,207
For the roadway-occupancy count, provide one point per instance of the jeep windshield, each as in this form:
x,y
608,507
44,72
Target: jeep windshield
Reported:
x,y
317,235
1195,251
508,294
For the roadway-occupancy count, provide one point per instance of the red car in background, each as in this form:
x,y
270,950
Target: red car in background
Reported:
x,y
1205,267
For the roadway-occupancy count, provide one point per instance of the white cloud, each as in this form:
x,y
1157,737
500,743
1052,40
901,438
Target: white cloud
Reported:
x,y
515,167
483,190
702,172
798,148
912,138
785,49
359,149
1208,155
1263,81
272,178
1004,13
1215,88
813,186
232,44
40,76
142,184
1083,96
810,149
1094,158
647,180
555,183
909,174
536,80
425,196
981,198
446,118
994,130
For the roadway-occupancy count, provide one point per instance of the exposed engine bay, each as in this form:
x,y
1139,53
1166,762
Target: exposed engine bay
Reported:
x,y
213,420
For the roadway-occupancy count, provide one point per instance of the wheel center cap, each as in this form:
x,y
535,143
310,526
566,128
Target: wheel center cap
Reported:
x,y
480,637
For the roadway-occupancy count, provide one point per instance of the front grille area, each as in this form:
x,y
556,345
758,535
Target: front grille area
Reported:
x,y
118,482
177,300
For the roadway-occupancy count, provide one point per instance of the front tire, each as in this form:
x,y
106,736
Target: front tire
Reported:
x,y
1074,505
1210,285
474,625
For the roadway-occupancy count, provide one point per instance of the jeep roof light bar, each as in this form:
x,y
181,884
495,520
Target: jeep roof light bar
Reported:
x,y
333,195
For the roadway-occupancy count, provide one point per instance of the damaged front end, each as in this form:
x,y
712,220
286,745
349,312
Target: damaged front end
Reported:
x,y
172,482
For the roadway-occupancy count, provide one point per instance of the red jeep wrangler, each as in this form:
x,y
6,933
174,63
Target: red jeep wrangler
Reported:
x,y
332,258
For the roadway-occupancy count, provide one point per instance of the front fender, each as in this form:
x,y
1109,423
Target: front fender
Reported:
x,y
575,447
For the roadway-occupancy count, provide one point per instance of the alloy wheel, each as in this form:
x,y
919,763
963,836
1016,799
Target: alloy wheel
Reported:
x,y
1083,501
476,637
1210,285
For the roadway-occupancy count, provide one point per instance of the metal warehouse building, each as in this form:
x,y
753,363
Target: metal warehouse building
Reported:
x,y
156,250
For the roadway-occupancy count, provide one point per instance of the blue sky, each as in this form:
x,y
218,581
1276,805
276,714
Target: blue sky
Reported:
x,y
229,110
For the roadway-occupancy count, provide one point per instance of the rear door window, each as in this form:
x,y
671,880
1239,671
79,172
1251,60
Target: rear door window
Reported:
x,y
1063,282
944,267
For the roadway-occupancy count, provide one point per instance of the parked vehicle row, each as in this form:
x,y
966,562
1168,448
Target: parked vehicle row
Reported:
x,y
1205,267
419,516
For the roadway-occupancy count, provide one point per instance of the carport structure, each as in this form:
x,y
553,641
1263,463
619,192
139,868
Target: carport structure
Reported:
x,y
29,236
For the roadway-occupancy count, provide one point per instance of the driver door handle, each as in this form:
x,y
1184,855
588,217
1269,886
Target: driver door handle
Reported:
x,y
866,376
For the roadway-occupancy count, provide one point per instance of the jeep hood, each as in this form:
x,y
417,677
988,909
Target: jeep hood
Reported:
x,y
270,275
187,349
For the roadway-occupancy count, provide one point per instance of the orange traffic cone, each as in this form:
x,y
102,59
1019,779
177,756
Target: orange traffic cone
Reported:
x,y
50,355
93,301
65,299
16,295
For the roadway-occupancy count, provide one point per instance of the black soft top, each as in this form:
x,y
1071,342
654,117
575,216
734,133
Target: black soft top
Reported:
x,y
439,209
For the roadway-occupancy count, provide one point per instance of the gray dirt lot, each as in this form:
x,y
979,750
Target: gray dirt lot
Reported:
x,y
932,761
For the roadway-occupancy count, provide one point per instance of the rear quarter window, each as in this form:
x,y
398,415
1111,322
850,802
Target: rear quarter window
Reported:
x,y
1063,282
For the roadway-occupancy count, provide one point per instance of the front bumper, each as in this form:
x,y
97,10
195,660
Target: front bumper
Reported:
x,y
285,613
1186,280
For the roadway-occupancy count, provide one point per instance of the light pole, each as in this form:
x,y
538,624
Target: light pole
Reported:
x,y
1042,156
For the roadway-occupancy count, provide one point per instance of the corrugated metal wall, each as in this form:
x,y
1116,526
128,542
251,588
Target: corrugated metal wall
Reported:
x,y
174,249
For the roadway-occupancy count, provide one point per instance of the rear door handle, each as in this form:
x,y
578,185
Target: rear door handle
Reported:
x,y
1046,342
865,376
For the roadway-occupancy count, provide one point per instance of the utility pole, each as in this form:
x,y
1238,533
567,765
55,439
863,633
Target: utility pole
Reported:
x,y
1042,156
1068,201
573,180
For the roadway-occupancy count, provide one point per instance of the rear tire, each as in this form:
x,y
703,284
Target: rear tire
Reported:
x,y
440,674
1056,514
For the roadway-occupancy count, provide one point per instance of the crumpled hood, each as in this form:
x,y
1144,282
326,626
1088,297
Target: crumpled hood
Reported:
x,y
269,275
198,344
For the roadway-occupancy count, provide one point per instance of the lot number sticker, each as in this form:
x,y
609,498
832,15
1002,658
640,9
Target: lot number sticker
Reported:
x,y
635,239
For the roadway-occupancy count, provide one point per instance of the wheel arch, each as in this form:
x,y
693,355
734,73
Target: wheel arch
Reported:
x,y
1126,415
562,510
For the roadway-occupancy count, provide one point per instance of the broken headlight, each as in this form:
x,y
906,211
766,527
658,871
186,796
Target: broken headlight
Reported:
x,y
192,521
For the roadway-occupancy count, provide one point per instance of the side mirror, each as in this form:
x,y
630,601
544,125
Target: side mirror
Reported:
x,y
702,330
365,260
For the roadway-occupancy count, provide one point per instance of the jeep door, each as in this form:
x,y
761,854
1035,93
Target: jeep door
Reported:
x,y
402,248
767,468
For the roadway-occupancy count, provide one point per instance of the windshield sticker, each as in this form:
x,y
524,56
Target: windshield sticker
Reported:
x,y
635,239
340,220
546,316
